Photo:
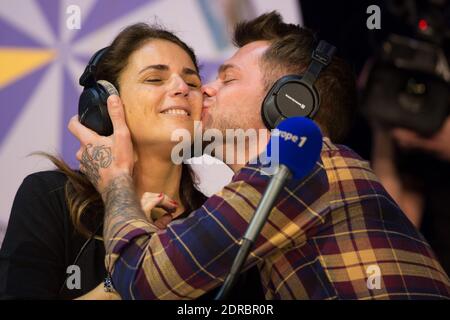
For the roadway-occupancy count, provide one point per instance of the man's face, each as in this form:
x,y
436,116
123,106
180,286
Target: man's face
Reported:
x,y
234,99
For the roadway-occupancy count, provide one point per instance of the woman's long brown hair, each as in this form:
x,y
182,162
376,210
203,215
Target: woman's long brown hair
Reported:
x,y
84,202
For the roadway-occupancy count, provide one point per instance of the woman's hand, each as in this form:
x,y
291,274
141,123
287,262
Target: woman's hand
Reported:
x,y
102,159
99,293
151,202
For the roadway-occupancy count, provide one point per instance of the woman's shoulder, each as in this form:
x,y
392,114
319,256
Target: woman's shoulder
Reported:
x,y
42,191
43,182
51,177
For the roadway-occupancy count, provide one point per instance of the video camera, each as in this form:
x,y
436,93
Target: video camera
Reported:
x,y
409,83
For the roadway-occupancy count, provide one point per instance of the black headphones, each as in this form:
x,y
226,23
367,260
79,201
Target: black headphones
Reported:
x,y
294,95
92,106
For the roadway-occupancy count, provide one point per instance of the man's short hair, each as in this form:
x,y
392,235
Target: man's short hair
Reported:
x,y
290,53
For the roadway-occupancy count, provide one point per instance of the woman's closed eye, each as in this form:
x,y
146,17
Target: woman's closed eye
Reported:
x,y
155,80
193,85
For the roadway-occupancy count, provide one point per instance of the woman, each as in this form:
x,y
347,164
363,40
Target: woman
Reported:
x,y
56,217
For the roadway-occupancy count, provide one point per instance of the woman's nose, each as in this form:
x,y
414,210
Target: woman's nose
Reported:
x,y
180,88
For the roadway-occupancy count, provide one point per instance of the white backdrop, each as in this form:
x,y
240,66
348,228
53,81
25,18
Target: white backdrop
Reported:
x,y
41,60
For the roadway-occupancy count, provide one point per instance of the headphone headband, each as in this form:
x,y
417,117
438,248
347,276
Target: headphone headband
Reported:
x,y
321,57
88,76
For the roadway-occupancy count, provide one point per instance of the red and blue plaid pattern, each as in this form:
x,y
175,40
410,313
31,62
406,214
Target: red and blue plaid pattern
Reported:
x,y
325,236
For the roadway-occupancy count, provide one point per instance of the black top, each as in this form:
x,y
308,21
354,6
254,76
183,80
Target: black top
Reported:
x,y
41,243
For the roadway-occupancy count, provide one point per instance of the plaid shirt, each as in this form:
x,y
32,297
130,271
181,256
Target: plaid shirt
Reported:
x,y
335,235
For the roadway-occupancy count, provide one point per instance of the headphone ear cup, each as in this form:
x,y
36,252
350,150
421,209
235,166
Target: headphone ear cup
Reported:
x,y
289,97
270,113
297,99
92,107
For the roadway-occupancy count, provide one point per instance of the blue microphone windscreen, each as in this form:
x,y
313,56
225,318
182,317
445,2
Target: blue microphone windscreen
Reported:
x,y
297,145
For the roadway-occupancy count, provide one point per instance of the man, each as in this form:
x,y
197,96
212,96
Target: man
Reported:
x,y
334,235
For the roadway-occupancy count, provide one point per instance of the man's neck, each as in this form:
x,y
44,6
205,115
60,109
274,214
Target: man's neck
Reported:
x,y
249,152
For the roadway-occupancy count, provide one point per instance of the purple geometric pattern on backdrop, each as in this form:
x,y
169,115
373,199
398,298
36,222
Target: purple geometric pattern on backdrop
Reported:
x,y
105,11
12,37
51,10
70,104
14,97
83,58
208,69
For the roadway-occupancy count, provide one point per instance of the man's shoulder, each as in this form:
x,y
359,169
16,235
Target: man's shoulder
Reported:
x,y
333,157
341,163
334,150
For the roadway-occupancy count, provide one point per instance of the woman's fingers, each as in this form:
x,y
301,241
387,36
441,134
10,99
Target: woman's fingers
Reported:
x,y
116,113
151,200
148,202
82,133
162,201
168,203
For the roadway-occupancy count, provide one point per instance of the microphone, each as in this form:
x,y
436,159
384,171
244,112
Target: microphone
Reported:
x,y
299,142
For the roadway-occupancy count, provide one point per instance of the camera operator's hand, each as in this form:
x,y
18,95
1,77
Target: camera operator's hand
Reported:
x,y
104,158
439,144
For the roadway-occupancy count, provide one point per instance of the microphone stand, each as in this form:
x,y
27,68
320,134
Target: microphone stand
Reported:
x,y
254,228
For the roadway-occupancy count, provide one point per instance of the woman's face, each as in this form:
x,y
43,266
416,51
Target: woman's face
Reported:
x,y
160,90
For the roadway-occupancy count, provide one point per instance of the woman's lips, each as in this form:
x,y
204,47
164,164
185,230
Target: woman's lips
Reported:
x,y
177,111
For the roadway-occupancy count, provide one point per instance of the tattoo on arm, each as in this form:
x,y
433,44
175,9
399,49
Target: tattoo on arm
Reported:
x,y
121,205
94,158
